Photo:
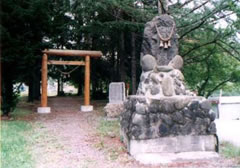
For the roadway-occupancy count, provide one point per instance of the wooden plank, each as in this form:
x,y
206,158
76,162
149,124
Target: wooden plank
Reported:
x,y
81,53
87,81
44,81
66,62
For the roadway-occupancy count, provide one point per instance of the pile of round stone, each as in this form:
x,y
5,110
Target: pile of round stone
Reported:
x,y
157,81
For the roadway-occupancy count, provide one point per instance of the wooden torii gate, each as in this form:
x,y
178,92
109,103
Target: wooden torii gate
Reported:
x,y
81,53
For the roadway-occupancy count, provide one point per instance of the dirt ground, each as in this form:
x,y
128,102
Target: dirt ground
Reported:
x,y
68,138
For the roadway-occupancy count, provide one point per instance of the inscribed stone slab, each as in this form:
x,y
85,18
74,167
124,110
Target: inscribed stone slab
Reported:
x,y
116,92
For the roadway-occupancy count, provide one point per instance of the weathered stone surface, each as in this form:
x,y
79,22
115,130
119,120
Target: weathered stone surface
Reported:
x,y
212,128
162,81
163,68
178,74
154,118
205,105
200,113
194,105
148,62
186,129
114,110
166,119
167,106
153,107
140,109
151,40
139,119
176,62
155,78
163,130
187,113
178,118
167,86
212,116
179,105
136,131
155,90
117,92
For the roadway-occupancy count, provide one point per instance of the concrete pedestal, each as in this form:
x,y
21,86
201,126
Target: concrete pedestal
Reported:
x,y
44,110
86,108
175,144
172,149
168,158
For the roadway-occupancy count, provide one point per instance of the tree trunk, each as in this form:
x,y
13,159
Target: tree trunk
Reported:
x,y
133,64
30,91
34,87
122,58
37,93
31,88
61,84
7,99
80,89
58,86
113,63
163,6
0,82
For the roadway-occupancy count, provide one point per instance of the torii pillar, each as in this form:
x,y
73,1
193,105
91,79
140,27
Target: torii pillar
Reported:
x,y
82,53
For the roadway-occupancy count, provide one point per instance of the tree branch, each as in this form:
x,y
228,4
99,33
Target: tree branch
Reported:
x,y
227,51
222,17
187,2
192,29
196,8
217,86
187,61
197,47
230,47
204,18
206,80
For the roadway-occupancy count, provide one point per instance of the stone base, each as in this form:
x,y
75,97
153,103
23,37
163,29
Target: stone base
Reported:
x,y
175,144
86,108
166,158
171,149
44,110
149,118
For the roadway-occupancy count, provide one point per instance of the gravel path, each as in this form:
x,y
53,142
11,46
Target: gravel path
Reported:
x,y
68,138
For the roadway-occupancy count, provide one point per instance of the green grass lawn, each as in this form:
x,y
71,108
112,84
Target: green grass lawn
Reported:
x,y
230,151
14,143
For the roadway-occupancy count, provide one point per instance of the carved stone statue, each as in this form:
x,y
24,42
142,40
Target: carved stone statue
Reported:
x,y
160,39
161,64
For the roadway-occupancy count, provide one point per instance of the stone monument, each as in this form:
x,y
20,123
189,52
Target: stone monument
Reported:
x,y
164,116
116,98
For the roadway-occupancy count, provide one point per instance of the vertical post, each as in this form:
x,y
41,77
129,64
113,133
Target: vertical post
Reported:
x,y
44,81
87,107
87,81
44,108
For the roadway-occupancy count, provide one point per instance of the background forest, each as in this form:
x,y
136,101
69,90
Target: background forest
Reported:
x,y
209,41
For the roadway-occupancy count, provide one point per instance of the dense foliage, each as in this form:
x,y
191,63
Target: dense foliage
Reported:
x,y
211,51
